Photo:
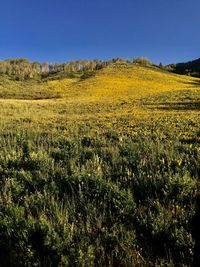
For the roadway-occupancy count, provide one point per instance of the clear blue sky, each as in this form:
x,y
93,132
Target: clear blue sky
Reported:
x,y
62,30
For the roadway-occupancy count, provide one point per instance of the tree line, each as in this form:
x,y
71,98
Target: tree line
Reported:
x,y
23,69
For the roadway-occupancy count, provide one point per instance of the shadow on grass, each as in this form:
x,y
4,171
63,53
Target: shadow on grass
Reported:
x,y
178,106
194,83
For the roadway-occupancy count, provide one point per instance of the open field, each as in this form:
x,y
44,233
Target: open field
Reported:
x,y
102,171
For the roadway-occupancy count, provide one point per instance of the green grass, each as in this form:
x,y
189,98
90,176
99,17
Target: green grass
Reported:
x,y
30,89
87,181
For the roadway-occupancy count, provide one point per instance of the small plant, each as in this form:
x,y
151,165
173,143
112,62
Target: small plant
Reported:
x,y
142,61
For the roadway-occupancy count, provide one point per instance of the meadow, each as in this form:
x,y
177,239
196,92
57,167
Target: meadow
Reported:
x,y
100,171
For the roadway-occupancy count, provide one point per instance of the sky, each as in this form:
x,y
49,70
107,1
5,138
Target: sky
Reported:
x,y
166,31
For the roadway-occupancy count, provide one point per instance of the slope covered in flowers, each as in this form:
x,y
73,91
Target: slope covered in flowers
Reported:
x,y
121,81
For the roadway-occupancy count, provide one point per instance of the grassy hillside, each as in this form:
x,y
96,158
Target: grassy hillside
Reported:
x,y
30,89
103,173
127,81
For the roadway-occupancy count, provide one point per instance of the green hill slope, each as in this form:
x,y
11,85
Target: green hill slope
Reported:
x,y
30,89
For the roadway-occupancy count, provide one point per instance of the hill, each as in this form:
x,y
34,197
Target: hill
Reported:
x,y
122,81
100,169
116,81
